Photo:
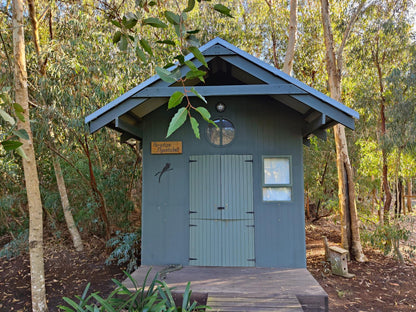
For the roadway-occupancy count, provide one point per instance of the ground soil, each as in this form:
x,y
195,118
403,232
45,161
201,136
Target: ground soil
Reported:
x,y
381,284
67,273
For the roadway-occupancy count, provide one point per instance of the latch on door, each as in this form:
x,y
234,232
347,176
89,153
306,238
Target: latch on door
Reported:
x,y
220,208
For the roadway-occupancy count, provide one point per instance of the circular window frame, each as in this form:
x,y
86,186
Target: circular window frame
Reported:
x,y
208,138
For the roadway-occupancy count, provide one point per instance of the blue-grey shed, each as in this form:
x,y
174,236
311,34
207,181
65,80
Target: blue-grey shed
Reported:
x,y
234,197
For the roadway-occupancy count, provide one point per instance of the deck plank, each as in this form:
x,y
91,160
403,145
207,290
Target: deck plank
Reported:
x,y
228,303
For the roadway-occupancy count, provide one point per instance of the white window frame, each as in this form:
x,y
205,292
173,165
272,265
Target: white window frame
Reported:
x,y
277,185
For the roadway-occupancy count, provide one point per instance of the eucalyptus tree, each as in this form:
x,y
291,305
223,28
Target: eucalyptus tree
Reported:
x,y
29,165
350,235
381,47
60,181
401,126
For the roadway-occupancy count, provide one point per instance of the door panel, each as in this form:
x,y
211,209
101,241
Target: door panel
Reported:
x,y
205,195
237,186
221,210
238,247
204,247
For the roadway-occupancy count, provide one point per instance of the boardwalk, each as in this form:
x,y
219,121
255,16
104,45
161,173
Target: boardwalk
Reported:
x,y
247,289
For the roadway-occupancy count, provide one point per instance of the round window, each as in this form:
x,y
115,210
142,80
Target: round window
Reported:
x,y
222,134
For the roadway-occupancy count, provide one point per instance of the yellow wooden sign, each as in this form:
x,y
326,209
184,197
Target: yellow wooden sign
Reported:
x,y
168,147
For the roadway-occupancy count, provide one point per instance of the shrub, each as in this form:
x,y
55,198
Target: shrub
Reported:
x,y
126,250
16,246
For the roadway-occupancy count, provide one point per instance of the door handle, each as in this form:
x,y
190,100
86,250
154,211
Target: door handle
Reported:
x,y
220,208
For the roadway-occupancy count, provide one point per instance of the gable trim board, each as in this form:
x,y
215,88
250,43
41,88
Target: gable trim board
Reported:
x,y
124,113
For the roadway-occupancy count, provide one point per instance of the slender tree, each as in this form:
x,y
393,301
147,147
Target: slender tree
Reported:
x,y
29,165
69,219
350,234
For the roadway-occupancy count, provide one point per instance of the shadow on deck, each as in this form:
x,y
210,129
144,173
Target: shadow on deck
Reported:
x,y
246,289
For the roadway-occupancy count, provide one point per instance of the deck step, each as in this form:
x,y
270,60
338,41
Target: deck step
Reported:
x,y
230,302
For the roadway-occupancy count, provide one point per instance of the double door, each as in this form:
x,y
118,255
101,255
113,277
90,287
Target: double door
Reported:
x,y
221,210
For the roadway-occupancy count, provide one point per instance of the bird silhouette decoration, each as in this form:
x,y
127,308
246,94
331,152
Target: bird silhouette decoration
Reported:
x,y
166,168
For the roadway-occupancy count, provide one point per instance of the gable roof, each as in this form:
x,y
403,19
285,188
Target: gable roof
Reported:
x,y
255,78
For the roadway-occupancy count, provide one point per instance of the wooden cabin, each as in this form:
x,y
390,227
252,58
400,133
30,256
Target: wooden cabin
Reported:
x,y
234,197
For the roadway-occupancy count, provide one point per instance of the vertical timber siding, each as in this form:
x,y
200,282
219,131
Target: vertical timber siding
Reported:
x,y
263,127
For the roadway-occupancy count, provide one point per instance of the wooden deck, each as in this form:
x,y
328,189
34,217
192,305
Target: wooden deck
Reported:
x,y
229,302
246,289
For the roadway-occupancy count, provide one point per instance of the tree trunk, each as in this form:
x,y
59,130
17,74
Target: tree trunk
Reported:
x,y
350,234
29,166
35,34
382,129
76,238
307,208
293,27
409,194
273,33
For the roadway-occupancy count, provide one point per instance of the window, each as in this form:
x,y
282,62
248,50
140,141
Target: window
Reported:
x,y
221,135
277,180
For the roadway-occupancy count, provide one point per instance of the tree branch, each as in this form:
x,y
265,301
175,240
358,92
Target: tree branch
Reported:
x,y
347,31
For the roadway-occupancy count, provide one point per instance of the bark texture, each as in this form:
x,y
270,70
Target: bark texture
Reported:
x,y
76,238
293,29
409,194
382,130
35,33
29,166
350,234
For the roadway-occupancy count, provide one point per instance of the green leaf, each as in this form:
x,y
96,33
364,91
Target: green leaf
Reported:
x,y
7,117
175,99
141,55
192,40
21,133
223,10
195,31
176,73
122,45
104,303
129,23
116,23
190,7
20,116
18,108
198,95
180,30
198,55
191,65
178,119
167,41
10,145
20,152
172,18
146,46
165,75
195,127
117,37
204,113
196,74
154,22
180,58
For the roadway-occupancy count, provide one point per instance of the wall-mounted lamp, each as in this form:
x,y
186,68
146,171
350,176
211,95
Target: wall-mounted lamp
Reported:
x,y
220,107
